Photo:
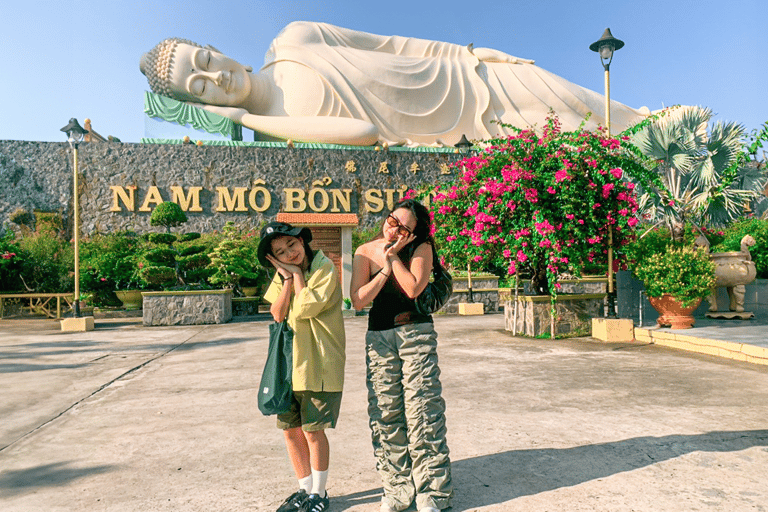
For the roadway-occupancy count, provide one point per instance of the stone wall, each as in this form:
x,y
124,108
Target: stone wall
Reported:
x,y
187,308
38,176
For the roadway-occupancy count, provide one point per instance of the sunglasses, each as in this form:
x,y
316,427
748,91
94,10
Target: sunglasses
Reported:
x,y
401,229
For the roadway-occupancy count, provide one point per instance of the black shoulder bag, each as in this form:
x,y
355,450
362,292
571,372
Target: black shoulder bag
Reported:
x,y
437,292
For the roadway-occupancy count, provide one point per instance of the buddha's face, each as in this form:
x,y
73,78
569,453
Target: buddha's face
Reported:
x,y
206,76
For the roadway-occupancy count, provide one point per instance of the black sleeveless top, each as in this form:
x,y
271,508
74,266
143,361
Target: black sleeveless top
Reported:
x,y
392,308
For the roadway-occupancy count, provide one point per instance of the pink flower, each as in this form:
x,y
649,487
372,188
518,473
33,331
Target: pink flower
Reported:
x,y
507,253
607,190
562,175
551,190
632,222
521,257
616,173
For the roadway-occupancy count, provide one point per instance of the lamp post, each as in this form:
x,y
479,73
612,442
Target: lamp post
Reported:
x,y
75,134
463,146
605,46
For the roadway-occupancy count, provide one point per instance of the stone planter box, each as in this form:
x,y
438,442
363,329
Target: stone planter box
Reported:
x,y
485,289
188,307
245,306
574,314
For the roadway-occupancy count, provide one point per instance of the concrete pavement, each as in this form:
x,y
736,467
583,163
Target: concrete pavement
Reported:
x,y
128,418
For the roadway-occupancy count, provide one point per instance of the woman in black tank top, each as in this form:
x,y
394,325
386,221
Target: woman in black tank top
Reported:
x,y
405,404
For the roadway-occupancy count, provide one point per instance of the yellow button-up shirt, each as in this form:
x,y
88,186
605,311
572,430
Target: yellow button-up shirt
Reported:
x,y
318,327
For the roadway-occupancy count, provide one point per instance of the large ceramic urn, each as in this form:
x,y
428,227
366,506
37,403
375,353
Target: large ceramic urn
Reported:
x,y
733,270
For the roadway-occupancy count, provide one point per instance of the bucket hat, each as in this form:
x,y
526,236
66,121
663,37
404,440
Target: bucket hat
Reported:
x,y
274,230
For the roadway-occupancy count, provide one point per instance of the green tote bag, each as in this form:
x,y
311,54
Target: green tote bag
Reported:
x,y
275,389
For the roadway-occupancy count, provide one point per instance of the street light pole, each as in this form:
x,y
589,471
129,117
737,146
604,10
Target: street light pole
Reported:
x,y
605,47
75,134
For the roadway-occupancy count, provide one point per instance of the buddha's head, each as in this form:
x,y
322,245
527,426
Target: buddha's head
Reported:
x,y
186,71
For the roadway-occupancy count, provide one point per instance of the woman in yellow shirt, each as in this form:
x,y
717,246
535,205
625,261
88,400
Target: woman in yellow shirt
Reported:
x,y
307,291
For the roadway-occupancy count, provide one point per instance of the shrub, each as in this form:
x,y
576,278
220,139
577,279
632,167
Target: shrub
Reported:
x,y
48,263
540,205
11,264
758,228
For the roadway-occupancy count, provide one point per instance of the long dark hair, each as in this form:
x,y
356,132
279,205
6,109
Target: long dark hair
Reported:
x,y
422,231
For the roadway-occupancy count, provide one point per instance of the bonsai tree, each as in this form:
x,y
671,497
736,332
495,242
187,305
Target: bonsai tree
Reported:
x,y
172,261
541,204
234,262
167,214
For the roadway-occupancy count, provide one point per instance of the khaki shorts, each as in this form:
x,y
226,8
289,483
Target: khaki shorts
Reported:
x,y
312,411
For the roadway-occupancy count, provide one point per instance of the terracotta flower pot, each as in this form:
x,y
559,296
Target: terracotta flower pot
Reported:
x,y
672,313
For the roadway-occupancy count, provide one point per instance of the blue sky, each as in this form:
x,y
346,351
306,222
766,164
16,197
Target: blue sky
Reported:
x,y
79,58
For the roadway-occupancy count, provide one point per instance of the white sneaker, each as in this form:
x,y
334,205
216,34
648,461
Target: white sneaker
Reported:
x,y
429,509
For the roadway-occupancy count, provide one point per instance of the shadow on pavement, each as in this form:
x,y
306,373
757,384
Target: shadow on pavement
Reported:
x,y
497,478
48,475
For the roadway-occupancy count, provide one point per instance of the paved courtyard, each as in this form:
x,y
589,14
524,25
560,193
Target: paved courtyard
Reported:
x,y
128,418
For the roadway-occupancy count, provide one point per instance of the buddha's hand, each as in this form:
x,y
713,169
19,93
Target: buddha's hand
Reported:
x,y
234,113
491,55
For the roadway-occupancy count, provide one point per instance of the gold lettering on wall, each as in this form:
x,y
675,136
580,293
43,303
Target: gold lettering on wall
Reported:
x,y
350,166
415,168
444,169
341,197
383,168
128,198
313,195
153,196
295,200
230,203
373,200
259,188
178,197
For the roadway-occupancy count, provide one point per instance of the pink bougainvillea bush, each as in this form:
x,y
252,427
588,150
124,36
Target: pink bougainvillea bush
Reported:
x,y
540,205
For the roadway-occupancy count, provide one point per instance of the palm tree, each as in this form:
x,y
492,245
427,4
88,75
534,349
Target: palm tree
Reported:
x,y
692,159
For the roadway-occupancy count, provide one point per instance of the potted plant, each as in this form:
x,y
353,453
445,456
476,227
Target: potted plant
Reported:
x,y
676,279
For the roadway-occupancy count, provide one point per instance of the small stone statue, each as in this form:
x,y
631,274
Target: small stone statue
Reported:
x,y
734,270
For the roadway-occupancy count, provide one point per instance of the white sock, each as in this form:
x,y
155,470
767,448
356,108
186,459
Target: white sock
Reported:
x,y
319,478
306,483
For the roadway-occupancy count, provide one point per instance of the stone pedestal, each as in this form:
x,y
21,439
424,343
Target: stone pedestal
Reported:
x,y
613,330
470,308
81,324
188,307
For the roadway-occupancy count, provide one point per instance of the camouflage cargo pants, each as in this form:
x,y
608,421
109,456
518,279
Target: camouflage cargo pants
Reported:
x,y
407,416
